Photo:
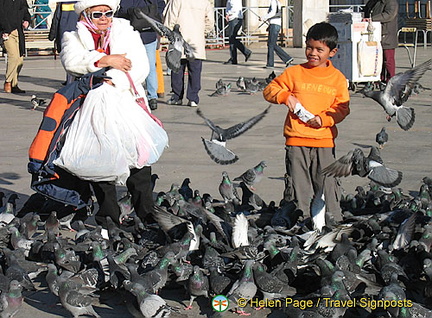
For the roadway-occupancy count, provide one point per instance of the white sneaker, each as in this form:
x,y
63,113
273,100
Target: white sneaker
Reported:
x,y
192,104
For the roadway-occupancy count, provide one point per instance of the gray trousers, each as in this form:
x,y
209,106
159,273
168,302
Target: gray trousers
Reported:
x,y
303,179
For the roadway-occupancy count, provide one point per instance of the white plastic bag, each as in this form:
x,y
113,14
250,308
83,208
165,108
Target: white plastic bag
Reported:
x,y
109,135
369,58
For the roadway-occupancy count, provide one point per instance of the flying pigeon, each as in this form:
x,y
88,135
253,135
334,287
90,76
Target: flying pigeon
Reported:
x,y
372,166
381,138
397,92
215,147
177,43
36,102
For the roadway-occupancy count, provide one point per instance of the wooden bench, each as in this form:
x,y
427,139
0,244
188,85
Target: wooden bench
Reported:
x,y
37,41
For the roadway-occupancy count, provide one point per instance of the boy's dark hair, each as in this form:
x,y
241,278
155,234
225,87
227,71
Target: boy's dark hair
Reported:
x,y
324,32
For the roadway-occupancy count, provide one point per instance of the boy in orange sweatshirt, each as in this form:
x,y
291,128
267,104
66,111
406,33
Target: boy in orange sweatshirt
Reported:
x,y
317,98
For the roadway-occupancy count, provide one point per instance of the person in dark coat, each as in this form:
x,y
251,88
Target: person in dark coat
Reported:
x,y
150,41
14,18
386,12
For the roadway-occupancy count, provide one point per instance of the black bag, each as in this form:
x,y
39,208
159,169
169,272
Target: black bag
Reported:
x,y
140,24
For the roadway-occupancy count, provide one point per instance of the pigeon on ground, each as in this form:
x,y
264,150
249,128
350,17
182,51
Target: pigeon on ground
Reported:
x,y
198,285
223,90
185,190
253,86
150,305
372,166
216,146
74,300
252,175
126,207
177,43
36,102
241,85
393,96
227,189
11,301
381,138
271,77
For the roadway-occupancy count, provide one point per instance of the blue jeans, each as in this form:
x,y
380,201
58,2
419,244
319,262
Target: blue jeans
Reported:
x,y
273,32
233,29
151,80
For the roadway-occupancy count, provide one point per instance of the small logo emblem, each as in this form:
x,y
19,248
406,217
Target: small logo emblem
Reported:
x,y
220,303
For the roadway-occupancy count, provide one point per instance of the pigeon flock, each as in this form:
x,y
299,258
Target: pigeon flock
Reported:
x,y
377,262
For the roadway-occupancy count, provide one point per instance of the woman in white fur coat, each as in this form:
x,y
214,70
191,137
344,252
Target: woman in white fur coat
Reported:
x,y
101,40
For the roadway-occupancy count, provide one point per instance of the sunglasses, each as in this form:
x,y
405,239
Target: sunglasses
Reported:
x,y
98,14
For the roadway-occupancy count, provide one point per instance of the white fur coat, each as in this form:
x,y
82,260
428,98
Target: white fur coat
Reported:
x,y
78,54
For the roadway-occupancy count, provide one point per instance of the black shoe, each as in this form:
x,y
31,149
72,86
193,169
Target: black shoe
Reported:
x,y
173,101
230,61
153,103
17,90
247,56
288,63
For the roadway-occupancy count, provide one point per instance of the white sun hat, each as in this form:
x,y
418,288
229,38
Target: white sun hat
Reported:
x,y
80,6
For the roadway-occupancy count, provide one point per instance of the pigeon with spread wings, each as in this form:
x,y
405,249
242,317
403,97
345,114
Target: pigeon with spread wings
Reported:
x,y
397,91
215,147
372,166
177,45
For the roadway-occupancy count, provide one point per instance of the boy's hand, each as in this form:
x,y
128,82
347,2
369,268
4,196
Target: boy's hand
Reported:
x,y
291,102
315,122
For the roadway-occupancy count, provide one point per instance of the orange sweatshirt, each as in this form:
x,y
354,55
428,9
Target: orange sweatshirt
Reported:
x,y
322,91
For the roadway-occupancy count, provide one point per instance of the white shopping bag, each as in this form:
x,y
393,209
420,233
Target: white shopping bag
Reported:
x,y
109,135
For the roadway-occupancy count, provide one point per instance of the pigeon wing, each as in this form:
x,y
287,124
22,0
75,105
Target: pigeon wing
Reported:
x,y
158,27
216,129
76,299
397,84
167,220
219,153
340,168
240,128
385,176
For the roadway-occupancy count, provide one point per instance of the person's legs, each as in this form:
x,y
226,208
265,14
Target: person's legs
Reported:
x,y
194,80
232,36
389,67
140,187
14,60
323,157
177,81
106,195
273,32
151,80
297,178
237,43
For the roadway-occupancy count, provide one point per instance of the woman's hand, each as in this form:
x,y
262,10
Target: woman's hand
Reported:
x,y
291,102
315,122
117,61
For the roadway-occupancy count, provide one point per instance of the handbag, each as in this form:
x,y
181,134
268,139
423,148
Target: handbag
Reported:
x,y
140,24
141,101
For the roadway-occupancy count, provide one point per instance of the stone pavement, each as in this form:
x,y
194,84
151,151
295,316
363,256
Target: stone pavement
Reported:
x,y
408,151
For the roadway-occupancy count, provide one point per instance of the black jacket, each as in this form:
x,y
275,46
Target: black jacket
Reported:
x,y
148,36
12,14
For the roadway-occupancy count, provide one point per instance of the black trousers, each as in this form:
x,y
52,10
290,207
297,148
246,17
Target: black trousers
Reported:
x,y
140,187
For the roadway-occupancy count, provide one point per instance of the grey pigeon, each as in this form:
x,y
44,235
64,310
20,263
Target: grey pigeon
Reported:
x,y
11,301
393,96
150,305
223,90
241,85
227,189
253,175
372,166
126,207
381,138
74,300
177,45
52,224
216,146
36,102
198,285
